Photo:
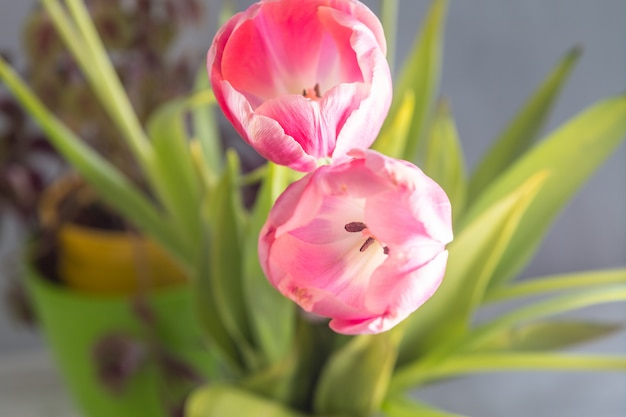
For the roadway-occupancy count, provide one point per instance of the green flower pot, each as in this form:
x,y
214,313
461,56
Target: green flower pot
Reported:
x,y
73,323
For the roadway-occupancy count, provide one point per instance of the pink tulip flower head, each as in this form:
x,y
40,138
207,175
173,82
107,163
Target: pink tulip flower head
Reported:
x,y
361,242
302,80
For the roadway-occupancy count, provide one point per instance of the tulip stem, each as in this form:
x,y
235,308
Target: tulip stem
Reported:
x,y
389,17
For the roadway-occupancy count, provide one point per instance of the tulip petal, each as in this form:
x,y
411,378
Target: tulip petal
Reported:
x,y
400,286
359,128
301,120
267,136
396,297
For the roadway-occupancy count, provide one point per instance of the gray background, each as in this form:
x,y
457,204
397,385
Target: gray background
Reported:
x,y
496,52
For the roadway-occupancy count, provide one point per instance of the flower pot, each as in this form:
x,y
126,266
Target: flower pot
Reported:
x,y
99,260
74,323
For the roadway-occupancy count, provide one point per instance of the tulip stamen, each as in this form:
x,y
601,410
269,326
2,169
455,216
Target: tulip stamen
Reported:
x,y
367,244
312,93
355,227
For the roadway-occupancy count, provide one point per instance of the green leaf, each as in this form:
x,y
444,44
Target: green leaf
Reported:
x,y
548,335
389,18
392,140
404,407
81,37
444,158
473,363
276,381
228,9
420,75
271,314
556,283
466,356
223,400
227,221
524,129
218,338
473,256
354,381
552,306
171,170
205,126
571,155
114,188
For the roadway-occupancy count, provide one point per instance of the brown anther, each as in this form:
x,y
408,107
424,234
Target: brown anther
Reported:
x,y
312,93
386,250
316,90
354,227
367,244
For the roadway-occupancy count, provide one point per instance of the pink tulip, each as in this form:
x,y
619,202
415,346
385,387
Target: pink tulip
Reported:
x,y
302,80
361,242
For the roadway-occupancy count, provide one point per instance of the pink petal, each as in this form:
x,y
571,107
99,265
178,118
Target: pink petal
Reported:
x,y
337,106
397,297
362,127
301,119
352,179
400,290
338,60
263,133
365,15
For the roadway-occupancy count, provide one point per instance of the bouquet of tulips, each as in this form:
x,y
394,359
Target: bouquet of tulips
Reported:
x,y
340,289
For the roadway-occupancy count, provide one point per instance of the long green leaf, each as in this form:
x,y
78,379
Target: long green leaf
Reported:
x,y
552,306
114,189
225,401
444,161
548,335
560,283
524,129
389,17
502,362
404,407
172,170
420,75
473,257
272,315
218,338
571,155
276,381
111,92
227,222
473,342
392,140
355,379
205,126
